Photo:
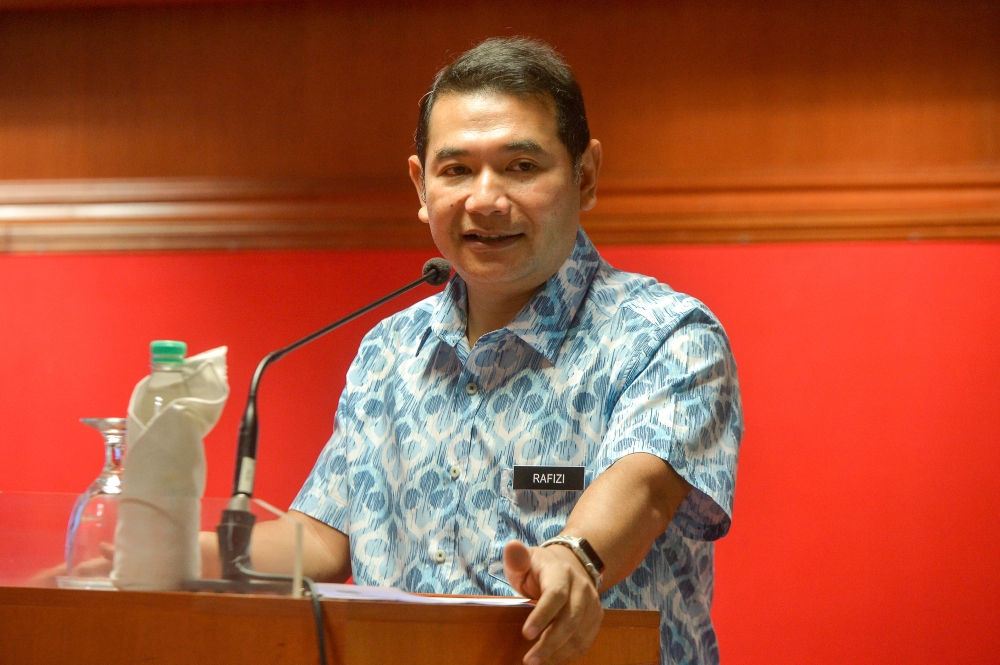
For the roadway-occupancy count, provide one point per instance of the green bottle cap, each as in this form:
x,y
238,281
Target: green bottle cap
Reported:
x,y
167,351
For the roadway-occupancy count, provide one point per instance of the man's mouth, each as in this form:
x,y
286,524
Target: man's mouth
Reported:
x,y
491,238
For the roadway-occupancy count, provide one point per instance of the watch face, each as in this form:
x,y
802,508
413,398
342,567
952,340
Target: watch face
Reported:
x,y
592,555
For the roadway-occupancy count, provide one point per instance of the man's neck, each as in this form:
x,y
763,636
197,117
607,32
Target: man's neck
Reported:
x,y
489,311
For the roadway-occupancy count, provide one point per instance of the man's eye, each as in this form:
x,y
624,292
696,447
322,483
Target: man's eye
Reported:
x,y
524,167
457,170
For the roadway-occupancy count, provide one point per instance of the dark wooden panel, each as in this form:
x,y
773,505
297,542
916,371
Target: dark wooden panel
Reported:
x,y
767,120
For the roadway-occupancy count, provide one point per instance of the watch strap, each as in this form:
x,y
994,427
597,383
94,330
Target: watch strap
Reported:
x,y
584,552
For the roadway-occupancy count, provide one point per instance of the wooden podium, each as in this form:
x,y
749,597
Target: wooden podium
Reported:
x,y
43,626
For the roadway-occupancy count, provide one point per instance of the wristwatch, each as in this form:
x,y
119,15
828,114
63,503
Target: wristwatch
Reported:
x,y
584,552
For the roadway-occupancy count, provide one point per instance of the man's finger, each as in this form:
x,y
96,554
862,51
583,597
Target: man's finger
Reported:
x,y
517,569
558,650
571,630
96,567
552,639
551,602
47,577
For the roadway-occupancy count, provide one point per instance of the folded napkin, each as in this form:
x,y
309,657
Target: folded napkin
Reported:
x,y
159,509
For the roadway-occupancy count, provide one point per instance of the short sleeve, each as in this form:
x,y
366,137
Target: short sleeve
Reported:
x,y
326,493
683,406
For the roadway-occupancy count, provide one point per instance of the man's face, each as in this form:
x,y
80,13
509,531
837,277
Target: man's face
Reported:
x,y
502,201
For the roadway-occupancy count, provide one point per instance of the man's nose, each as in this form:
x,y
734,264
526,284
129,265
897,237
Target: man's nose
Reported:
x,y
488,195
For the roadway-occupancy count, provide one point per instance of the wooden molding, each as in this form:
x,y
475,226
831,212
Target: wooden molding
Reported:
x,y
930,205
174,214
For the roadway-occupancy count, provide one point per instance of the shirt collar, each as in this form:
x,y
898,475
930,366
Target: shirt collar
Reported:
x,y
544,321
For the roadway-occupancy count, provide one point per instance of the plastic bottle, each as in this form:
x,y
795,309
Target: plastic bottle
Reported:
x,y
166,380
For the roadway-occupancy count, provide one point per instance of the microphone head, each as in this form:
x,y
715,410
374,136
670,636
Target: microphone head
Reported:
x,y
437,271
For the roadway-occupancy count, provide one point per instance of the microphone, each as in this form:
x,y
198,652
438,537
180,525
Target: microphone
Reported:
x,y
237,520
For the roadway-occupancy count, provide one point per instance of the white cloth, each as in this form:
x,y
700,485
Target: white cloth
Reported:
x,y
159,510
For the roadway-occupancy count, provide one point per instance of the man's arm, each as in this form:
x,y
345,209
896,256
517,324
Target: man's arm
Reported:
x,y
326,552
621,514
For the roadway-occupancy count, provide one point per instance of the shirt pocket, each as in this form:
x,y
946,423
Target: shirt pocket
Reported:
x,y
531,516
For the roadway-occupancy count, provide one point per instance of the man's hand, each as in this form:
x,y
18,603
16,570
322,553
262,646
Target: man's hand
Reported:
x,y
96,567
568,613
621,514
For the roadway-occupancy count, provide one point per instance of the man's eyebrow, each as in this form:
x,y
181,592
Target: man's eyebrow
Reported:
x,y
448,153
524,146
517,146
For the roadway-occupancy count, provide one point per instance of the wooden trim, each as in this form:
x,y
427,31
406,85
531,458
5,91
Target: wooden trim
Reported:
x,y
789,209
149,214
793,228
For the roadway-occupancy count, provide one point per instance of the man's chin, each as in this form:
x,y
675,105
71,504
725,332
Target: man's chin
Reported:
x,y
491,275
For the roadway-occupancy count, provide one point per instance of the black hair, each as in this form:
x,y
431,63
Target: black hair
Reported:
x,y
516,66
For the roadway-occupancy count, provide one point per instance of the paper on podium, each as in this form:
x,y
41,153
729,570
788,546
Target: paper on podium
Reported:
x,y
355,592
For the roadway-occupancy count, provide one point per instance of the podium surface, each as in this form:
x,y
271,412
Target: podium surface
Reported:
x,y
42,626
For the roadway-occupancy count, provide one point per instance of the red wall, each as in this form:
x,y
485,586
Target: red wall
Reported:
x,y
864,527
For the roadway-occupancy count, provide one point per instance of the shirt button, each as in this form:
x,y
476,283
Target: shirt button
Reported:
x,y
440,556
454,472
471,388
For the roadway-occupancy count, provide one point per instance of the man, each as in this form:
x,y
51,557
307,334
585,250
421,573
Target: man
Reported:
x,y
537,354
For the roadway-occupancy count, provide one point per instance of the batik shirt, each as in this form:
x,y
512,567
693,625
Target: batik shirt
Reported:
x,y
598,365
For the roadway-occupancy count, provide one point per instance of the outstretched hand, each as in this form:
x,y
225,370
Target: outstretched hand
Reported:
x,y
568,612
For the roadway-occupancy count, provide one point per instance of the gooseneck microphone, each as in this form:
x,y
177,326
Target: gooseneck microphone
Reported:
x,y
237,520
435,272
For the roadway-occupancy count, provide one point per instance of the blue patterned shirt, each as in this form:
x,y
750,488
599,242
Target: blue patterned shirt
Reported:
x,y
598,365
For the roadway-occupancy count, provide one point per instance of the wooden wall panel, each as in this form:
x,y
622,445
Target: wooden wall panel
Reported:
x,y
288,123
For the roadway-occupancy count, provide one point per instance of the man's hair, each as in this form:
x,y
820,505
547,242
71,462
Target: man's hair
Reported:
x,y
522,68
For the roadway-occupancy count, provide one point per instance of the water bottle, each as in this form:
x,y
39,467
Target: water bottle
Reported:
x,y
166,380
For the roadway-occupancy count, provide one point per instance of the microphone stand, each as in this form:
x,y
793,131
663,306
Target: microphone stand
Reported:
x,y
237,521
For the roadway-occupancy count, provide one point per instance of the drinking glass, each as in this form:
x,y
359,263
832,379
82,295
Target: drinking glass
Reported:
x,y
91,533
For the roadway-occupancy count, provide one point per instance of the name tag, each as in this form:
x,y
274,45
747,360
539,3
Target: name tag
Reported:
x,y
548,478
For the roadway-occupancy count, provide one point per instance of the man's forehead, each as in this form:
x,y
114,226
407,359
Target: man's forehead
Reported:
x,y
525,122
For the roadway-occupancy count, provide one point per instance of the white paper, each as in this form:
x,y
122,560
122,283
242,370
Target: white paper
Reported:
x,y
355,592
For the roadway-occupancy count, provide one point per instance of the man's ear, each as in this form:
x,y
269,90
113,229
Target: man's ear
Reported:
x,y
417,176
590,167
